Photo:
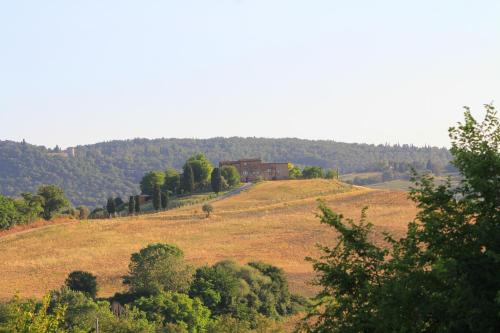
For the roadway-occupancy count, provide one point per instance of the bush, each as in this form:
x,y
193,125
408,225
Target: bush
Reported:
x,y
82,281
207,209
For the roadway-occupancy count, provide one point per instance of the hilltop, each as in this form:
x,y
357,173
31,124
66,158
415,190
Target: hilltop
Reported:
x,y
271,221
89,174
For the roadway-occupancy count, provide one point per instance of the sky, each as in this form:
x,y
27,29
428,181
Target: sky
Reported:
x,y
80,72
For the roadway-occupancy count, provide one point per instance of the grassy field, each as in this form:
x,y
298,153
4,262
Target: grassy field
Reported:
x,y
272,221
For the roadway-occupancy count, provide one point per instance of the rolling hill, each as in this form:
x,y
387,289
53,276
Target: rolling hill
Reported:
x,y
115,168
271,221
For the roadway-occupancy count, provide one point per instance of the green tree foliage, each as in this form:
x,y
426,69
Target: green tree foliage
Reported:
x,y
216,180
30,316
29,207
54,200
151,180
172,180
8,213
243,291
82,312
83,212
187,179
131,205
202,168
164,200
111,207
137,204
82,281
294,172
157,197
175,308
158,268
207,209
443,275
231,175
119,204
331,174
310,172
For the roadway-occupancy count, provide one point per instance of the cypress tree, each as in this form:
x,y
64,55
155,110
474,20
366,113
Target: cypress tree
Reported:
x,y
164,200
131,205
188,179
111,207
216,180
156,197
137,204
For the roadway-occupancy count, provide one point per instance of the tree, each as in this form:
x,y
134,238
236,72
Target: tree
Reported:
x,y
156,198
111,207
54,200
151,180
82,281
119,204
30,207
331,174
137,203
187,179
175,308
207,209
83,212
216,180
231,175
158,268
8,212
131,205
442,276
202,168
312,172
294,172
172,180
164,200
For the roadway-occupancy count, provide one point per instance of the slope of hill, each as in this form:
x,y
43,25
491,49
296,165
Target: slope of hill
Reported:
x,y
115,168
272,221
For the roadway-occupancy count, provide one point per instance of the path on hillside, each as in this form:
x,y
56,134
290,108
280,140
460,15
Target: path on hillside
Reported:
x,y
233,192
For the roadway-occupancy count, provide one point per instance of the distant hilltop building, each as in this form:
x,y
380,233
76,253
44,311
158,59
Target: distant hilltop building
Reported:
x,y
254,169
70,152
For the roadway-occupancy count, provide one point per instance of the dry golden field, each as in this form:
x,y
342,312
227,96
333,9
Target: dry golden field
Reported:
x,y
273,221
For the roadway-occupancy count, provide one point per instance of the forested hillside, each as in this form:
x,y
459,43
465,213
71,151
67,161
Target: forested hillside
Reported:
x,y
115,168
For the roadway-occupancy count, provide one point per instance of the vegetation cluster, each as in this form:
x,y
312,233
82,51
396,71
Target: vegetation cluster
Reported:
x,y
165,294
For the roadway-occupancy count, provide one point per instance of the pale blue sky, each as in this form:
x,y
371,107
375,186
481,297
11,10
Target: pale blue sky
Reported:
x,y
77,72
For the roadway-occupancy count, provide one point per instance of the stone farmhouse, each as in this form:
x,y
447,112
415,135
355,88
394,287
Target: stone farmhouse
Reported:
x,y
254,169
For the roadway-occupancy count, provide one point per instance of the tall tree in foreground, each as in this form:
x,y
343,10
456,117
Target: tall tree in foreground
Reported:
x,y
187,179
443,276
216,180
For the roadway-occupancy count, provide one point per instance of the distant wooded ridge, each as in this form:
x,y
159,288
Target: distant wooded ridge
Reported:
x,y
92,173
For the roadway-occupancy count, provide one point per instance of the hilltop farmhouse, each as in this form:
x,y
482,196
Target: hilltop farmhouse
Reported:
x,y
253,169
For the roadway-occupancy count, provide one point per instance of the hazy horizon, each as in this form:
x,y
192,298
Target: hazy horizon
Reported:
x,y
82,72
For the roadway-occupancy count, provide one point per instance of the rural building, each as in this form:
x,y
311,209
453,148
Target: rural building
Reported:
x,y
253,169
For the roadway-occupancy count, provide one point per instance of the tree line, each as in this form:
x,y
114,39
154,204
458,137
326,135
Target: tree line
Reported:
x,y
118,166
48,202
